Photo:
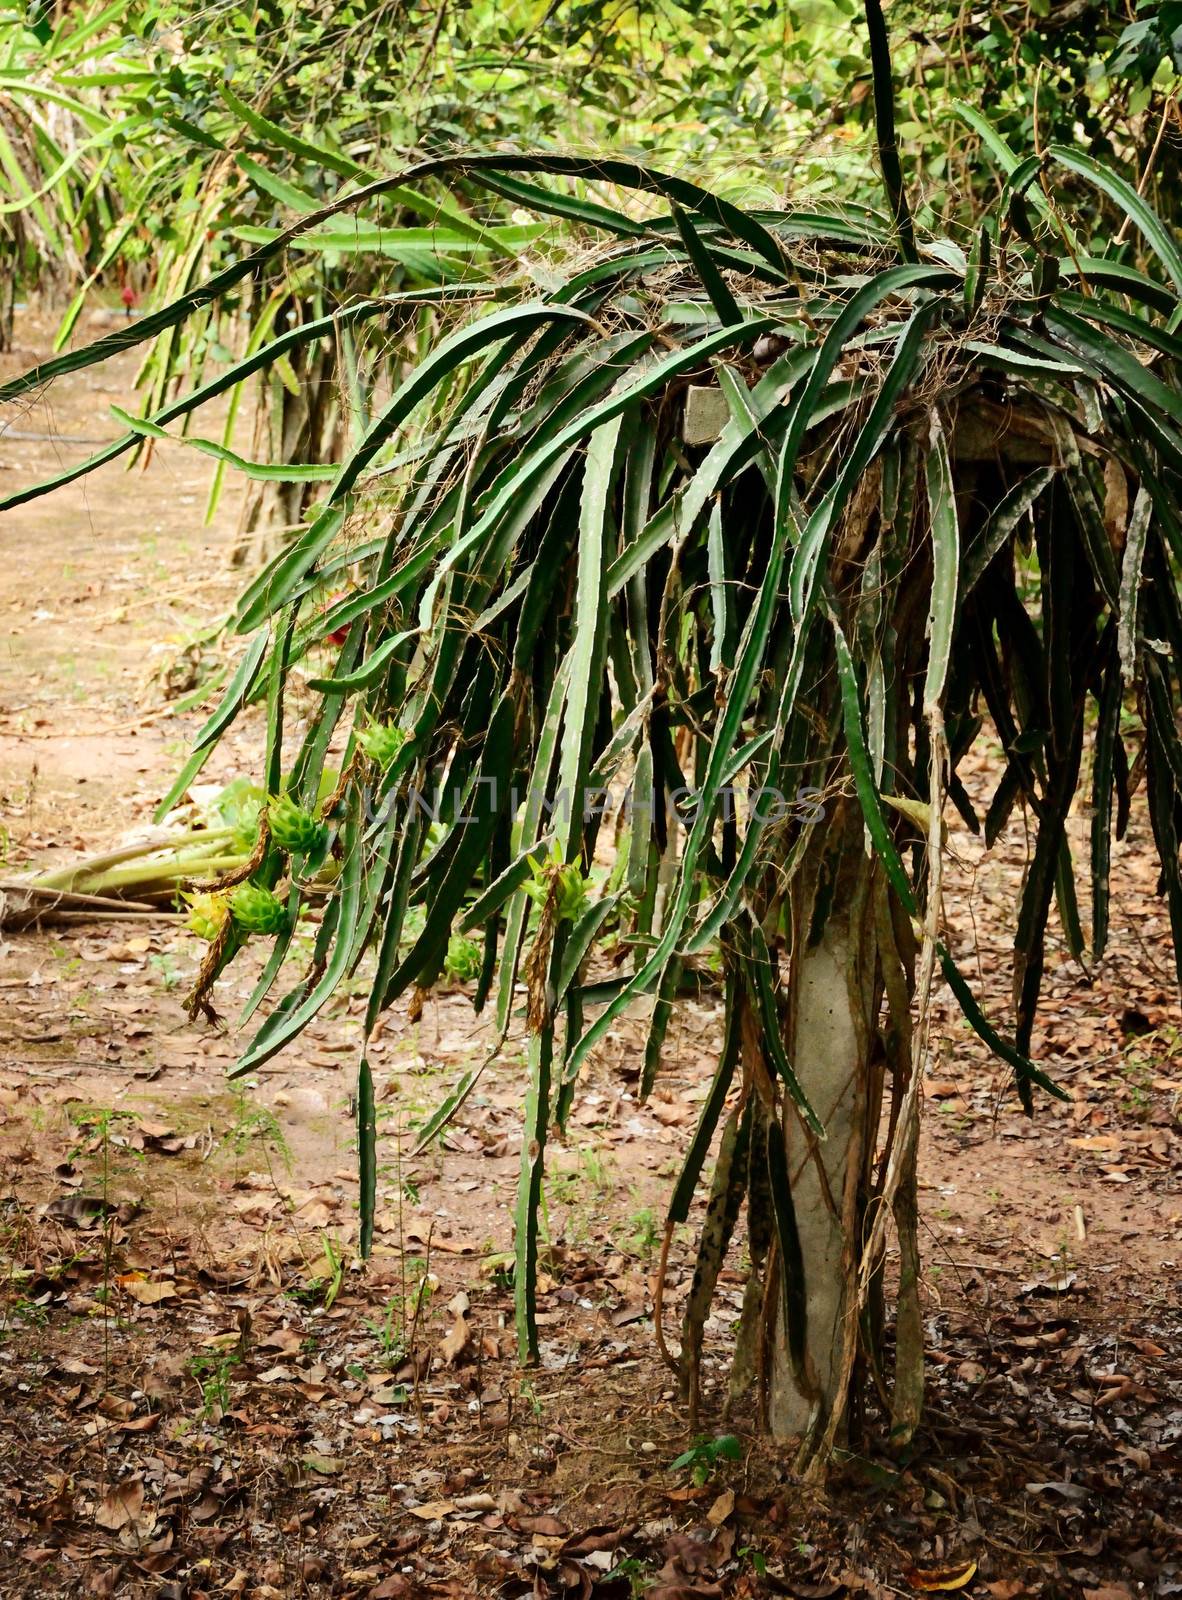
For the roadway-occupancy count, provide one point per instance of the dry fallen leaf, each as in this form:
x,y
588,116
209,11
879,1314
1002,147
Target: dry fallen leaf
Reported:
x,y
670,1114
432,1510
141,1424
286,1340
545,1526
475,1502
933,1578
721,1509
455,1341
1055,1282
127,950
457,1338
599,1538
148,1294
121,1504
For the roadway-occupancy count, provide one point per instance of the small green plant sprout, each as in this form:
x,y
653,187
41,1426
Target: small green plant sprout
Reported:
x,y
529,1394
497,1267
1138,1072
213,1370
320,1288
569,885
259,1123
390,1332
637,1573
704,1455
757,1560
381,741
29,1312
463,960
425,1285
645,1235
166,967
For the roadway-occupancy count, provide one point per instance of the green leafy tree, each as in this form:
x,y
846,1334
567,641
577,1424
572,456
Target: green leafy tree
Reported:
x,y
766,520
1077,73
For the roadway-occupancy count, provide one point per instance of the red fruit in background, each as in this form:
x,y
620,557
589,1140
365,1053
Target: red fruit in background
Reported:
x,y
338,635
127,295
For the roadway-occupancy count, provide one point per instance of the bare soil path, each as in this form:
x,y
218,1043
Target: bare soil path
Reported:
x,y
204,1393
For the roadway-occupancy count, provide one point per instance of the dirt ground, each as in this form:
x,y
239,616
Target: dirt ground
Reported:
x,y
205,1393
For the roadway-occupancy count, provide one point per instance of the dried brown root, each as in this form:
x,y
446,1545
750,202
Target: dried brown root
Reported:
x,y
907,1398
669,1359
746,1362
726,1196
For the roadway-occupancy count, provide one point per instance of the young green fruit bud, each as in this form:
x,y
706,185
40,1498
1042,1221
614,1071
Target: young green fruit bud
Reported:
x,y
257,910
566,883
292,828
572,893
207,914
382,741
463,959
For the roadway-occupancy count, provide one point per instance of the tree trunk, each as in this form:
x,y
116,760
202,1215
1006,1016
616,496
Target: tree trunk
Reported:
x,y
834,993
